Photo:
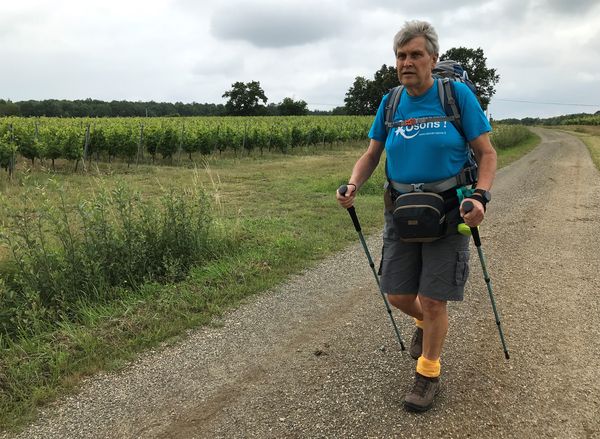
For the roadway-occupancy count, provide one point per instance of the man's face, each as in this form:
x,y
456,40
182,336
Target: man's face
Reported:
x,y
414,65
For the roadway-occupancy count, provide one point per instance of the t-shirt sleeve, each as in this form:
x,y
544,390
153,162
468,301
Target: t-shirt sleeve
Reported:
x,y
474,120
378,131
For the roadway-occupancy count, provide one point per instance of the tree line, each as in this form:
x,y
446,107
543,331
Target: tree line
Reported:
x,y
242,102
249,99
567,119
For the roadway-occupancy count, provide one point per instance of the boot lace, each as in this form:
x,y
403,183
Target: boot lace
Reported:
x,y
421,386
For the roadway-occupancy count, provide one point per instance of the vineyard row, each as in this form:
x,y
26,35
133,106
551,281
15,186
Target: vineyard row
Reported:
x,y
131,138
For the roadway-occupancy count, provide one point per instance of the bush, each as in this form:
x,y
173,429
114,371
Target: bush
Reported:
x,y
506,136
90,253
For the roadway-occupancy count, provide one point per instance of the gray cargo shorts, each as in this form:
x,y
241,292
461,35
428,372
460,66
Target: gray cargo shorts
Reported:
x,y
438,269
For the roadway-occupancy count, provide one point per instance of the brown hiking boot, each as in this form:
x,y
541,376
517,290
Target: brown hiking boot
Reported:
x,y
420,398
416,344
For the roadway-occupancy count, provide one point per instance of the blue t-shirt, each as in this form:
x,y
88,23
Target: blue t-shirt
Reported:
x,y
432,151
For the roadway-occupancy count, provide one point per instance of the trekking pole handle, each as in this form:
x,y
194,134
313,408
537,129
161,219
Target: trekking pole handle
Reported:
x,y
342,190
467,207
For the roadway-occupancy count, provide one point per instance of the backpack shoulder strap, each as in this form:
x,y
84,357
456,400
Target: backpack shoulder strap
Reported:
x,y
447,95
392,105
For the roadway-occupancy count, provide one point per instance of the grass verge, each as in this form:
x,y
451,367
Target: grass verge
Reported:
x,y
284,216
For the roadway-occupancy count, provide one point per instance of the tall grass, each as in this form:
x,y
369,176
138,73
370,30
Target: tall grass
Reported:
x,y
64,255
507,136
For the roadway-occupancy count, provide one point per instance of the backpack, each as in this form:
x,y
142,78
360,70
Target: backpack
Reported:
x,y
445,73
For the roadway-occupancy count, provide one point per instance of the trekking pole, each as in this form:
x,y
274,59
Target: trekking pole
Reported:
x,y
342,190
467,207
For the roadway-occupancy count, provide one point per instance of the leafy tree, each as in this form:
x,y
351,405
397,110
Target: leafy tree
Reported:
x,y
357,100
339,111
474,62
290,107
8,108
244,99
365,94
384,79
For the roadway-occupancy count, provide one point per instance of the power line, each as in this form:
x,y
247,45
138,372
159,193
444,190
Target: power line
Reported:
x,y
547,103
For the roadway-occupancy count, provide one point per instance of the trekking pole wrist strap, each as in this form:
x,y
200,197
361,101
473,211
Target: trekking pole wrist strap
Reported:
x,y
478,197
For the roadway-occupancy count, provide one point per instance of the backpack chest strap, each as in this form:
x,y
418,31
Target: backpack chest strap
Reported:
x,y
419,120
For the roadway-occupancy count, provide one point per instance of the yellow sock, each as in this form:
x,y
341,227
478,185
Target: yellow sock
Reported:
x,y
428,368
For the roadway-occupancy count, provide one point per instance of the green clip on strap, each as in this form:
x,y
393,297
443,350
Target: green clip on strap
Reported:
x,y
464,192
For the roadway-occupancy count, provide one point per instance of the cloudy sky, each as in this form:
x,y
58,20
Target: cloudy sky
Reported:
x,y
547,52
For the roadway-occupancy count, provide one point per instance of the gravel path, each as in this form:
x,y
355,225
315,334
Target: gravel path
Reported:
x,y
317,356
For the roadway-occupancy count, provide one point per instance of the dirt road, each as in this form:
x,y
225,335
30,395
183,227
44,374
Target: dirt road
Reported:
x,y
317,357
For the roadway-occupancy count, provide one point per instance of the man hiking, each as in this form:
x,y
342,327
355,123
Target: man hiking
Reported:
x,y
424,263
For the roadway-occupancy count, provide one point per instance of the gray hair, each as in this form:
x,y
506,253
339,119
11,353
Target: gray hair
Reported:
x,y
416,28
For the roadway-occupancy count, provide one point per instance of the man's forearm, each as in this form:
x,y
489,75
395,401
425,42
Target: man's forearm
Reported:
x,y
487,170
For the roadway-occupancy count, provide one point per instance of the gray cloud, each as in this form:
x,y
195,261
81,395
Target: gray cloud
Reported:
x,y
571,7
268,24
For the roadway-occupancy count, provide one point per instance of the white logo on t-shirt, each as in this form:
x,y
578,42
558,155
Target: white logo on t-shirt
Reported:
x,y
411,131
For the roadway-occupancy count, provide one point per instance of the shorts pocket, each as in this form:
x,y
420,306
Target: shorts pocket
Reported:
x,y
389,229
462,267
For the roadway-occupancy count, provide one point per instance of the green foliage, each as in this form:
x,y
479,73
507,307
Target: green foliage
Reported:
x,y
65,255
96,108
72,145
128,139
244,98
364,96
568,119
123,141
506,136
474,62
290,107
98,141
8,150
169,142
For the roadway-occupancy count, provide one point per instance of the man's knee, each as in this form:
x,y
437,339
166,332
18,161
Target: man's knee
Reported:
x,y
432,306
401,301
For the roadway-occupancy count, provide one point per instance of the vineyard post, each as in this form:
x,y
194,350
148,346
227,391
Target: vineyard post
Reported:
x,y
36,134
244,139
140,150
180,143
86,146
12,162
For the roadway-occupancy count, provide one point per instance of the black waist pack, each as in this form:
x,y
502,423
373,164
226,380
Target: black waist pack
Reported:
x,y
419,216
